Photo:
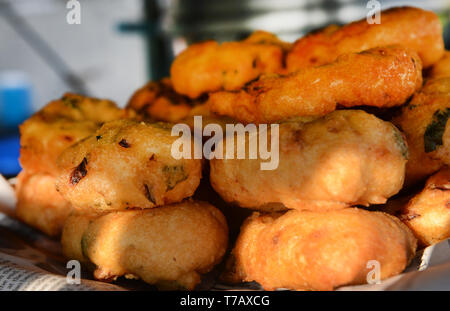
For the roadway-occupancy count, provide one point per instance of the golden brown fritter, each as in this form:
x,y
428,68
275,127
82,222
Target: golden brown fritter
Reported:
x,y
126,164
346,158
428,213
305,250
410,27
39,204
58,125
381,77
424,122
210,66
170,246
441,68
158,101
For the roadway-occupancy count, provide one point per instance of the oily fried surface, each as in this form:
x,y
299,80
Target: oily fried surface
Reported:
x,y
410,27
158,101
428,213
346,158
58,125
170,246
127,164
424,122
39,204
305,250
381,77
210,66
441,68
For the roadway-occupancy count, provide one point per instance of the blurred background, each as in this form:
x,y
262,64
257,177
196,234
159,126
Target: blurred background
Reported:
x,y
121,44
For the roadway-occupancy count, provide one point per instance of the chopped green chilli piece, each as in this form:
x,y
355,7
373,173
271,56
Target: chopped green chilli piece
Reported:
x,y
435,130
84,246
174,175
401,143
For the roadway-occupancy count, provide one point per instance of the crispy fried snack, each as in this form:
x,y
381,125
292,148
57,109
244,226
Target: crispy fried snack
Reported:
x,y
424,122
428,213
441,69
410,27
346,158
170,246
39,204
158,101
381,77
126,164
58,125
210,66
305,250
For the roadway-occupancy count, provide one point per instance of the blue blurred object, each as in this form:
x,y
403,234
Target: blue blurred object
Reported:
x,y
15,98
9,155
15,107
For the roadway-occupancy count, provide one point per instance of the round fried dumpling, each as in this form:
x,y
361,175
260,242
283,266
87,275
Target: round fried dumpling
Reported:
x,y
170,246
440,69
346,158
306,250
127,164
158,101
58,125
39,204
428,213
425,123
381,77
211,66
411,27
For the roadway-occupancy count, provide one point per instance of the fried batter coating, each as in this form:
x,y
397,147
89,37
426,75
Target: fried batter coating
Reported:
x,y
126,164
348,157
210,66
170,246
428,213
39,204
58,125
158,101
381,77
305,250
424,122
410,27
440,69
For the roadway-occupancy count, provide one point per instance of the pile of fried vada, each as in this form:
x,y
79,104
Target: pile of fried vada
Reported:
x,y
362,111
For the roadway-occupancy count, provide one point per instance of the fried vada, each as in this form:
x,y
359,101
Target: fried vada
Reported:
x,y
209,66
58,125
441,68
424,122
157,101
306,250
410,27
39,204
170,246
346,158
380,77
127,164
428,213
